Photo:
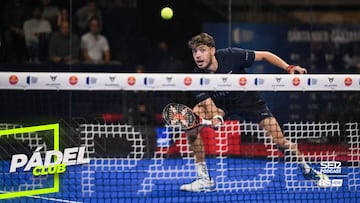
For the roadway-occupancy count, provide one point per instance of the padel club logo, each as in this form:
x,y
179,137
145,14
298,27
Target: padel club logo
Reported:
x,y
13,79
54,161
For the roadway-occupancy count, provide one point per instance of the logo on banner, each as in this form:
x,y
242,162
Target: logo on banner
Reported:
x,y
91,80
149,81
13,79
73,80
242,81
296,81
53,82
259,81
112,78
47,165
225,82
348,81
112,83
312,81
131,80
331,83
169,80
204,81
187,80
31,80
330,167
53,77
278,82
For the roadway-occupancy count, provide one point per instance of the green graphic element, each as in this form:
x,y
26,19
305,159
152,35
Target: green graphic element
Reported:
x,y
55,188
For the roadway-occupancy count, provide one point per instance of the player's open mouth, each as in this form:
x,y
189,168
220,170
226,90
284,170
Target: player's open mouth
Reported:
x,y
200,63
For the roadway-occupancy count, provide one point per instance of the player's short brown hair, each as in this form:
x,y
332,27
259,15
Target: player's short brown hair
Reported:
x,y
201,39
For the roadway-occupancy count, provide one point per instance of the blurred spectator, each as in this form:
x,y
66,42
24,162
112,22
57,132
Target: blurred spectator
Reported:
x,y
64,47
352,59
62,15
141,115
125,34
33,28
94,46
318,58
14,15
139,68
84,14
164,60
50,13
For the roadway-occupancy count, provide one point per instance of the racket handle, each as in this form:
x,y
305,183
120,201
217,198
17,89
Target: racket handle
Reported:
x,y
220,121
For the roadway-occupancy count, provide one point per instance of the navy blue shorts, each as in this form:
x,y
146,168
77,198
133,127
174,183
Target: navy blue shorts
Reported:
x,y
253,114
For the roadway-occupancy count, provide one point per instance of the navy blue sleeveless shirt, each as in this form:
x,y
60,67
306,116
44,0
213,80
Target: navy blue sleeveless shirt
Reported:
x,y
232,61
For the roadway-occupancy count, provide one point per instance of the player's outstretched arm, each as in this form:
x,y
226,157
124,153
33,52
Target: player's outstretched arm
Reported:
x,y
278,62
208,110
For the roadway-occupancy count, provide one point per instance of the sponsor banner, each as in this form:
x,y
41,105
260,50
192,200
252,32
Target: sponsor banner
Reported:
x,y
183,82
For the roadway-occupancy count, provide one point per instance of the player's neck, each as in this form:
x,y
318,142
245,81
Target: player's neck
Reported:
x,y
213,65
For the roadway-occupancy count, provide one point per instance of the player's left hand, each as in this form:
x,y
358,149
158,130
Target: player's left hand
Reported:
x,y
297,69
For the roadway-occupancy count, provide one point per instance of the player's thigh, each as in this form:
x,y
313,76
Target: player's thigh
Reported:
x,y
272,128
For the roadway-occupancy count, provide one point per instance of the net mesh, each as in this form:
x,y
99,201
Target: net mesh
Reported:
x,y
134,157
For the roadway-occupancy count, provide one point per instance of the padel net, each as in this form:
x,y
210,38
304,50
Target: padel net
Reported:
x,y
110,135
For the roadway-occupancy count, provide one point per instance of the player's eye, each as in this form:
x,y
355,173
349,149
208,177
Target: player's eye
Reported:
x,y
202,50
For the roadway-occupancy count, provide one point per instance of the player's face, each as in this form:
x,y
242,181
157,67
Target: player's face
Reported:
x,y
203,56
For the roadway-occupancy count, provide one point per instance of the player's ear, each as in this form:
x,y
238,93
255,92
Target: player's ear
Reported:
x,y
213,50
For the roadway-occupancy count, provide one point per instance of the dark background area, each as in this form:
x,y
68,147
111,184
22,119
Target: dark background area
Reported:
x,y
138,30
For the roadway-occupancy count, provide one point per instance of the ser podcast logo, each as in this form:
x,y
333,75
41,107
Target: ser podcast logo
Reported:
x,y
332,168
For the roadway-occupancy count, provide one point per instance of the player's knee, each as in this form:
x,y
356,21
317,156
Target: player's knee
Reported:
x,y
191,138
281,142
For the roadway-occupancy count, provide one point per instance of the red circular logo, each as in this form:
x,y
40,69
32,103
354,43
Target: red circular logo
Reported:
x,y
187,81
242,81
13,79
348,81
131,80
296,81
73,80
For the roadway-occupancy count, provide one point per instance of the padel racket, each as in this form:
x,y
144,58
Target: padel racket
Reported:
x,y
181,115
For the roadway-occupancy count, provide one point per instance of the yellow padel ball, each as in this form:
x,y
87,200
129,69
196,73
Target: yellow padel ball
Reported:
x,y
167,13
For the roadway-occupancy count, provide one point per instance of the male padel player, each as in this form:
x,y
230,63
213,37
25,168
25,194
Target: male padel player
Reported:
x,y
247,105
